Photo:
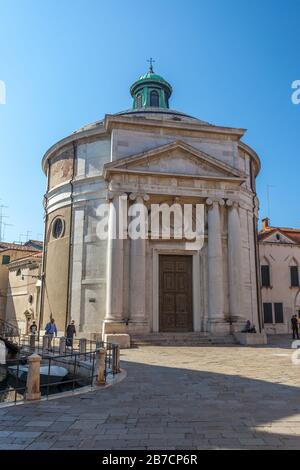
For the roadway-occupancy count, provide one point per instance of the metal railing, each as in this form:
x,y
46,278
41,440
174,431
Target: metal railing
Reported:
x,y
47,345
8,330
81,368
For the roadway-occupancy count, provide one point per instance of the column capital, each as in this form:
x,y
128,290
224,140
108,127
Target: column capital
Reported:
x,y
135,196
232,203
111,195
212,201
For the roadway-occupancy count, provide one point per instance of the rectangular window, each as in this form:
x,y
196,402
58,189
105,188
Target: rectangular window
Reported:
x,y
265,275
278,310
5,259
294,276
268,315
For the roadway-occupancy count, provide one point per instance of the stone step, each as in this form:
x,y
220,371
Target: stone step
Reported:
x,y
179,339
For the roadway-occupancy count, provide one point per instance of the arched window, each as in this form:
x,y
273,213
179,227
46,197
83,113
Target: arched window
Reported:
x,y
294,273
58,228
154,99
166,100
265,273
139,102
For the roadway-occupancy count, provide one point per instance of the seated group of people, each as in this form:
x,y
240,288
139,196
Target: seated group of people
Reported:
x,y
249,328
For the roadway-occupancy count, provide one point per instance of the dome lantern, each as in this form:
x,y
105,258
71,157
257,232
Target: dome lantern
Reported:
x,y
151,91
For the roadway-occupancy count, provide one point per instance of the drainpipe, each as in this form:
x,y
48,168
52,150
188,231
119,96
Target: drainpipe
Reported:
x,y
257,266
68,312
43,274
257,262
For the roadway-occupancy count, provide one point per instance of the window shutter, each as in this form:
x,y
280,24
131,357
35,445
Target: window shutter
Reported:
x,y
265,275
294,276
5,259
278,308
268,316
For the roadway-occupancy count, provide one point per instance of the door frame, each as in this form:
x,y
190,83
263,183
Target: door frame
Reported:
x,y
195,284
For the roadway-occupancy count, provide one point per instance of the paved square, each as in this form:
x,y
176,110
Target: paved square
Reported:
x,y
174,398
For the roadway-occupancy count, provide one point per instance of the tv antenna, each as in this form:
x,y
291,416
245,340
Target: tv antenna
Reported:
x,y
2,217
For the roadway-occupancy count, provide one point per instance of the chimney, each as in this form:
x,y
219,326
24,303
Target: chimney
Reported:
x,y
265,224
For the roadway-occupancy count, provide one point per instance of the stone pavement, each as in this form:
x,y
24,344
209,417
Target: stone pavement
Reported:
x,y
173,398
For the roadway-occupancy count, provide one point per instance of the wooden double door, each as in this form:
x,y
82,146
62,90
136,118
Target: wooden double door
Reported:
x,y
175,293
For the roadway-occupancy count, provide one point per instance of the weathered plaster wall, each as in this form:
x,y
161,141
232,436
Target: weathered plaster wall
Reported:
x,y
56,273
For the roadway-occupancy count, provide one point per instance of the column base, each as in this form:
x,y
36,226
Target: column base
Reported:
x,y
120,332
114,326
116,332
137,327
32,396
218,327
251,339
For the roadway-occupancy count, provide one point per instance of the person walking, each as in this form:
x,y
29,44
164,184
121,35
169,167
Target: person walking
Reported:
x,y
71,331
33,328
50,331
294,322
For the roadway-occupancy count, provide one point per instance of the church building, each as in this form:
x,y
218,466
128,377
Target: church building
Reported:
x,y
124,289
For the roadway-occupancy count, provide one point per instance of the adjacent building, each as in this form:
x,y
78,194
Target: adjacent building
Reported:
x,y
10,252
279,250
23,292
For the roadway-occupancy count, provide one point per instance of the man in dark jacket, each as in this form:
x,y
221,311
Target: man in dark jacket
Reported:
x,y
33,328
71,331
294,322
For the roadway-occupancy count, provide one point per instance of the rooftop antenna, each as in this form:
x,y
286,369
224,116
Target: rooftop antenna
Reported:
x,y
26,235
2,216
151,62
4,227
19,241
268,199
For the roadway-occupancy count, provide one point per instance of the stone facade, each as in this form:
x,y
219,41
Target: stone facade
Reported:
x,y
279,250
150,156
9,252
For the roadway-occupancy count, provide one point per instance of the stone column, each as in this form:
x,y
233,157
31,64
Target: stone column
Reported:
x,y
62,345
100,366
33,378
115,259
215,266
32,342
45,346
82,345
138,263
234,259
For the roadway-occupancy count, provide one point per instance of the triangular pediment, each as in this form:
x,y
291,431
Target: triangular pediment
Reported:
x,y
278,237
177,158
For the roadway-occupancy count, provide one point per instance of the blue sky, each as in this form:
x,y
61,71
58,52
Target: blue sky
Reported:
x,y
66,63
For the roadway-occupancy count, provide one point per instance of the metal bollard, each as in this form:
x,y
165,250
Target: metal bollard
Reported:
x,y
33,378
100,366
118,359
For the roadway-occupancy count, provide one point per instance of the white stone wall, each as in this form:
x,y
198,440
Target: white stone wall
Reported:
x,y
91,156
89,254
128,142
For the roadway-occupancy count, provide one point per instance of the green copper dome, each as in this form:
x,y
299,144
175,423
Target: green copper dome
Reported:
x,y
151,91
